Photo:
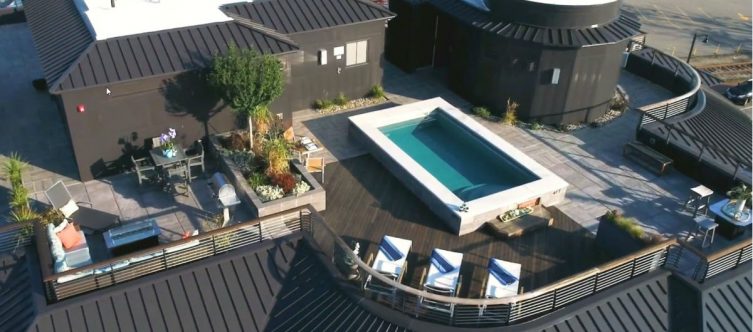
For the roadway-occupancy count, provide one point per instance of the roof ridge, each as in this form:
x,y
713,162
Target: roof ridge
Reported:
x,y
261,28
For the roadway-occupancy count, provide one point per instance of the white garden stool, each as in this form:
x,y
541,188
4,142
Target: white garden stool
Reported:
x,y
706,225
699,199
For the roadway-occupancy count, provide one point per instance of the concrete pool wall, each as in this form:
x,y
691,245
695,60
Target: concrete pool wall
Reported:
x,y
548,189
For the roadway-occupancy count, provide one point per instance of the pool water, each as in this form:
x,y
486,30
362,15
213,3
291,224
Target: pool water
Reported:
x,y
456,157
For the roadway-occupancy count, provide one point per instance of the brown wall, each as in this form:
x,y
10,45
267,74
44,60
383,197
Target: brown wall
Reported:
x,y
114,127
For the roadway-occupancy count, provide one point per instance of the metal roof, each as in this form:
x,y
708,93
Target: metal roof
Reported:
x,y
163,52
638,305
620,29
59,33
17,308
291,16
281,285
727,301
72,59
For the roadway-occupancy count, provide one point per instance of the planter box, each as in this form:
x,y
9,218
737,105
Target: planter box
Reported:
x,y
615,241
316,196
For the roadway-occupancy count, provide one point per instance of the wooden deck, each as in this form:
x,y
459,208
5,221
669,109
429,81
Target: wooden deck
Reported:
x,y
366,202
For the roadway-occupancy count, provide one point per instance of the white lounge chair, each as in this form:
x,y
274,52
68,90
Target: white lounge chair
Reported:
x,y
503,280
391,261
443,278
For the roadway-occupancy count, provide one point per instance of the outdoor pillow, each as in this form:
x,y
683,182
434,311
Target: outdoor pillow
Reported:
x,y
441,263
69,208
61,267
61,226
69,236
389,250
499,272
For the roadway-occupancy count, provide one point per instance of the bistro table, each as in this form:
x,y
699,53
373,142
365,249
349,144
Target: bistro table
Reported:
x,y
730,227
161,161
305,147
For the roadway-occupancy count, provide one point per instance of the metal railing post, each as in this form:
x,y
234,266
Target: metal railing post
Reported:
x,y
632,269
739,257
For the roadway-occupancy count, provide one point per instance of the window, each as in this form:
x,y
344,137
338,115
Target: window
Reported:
x,y
355,53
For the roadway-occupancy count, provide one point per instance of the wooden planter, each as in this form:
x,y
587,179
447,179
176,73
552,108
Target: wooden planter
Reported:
x,y
316,196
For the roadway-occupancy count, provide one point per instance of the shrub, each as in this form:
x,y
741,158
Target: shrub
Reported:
x,y
618,103
482,112
277,153
323,104
19,197
13,168
536,126
243,159
51,216
237,142
23,215
301,187
340,100
511,116
269,193
257,179
629,225
376,91
286,181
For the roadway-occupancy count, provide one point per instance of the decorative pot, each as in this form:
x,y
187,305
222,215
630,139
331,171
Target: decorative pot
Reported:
x,y
168,153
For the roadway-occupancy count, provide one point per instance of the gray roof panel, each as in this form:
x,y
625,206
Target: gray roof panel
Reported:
x,y
59,33
624,27
727,301
279,285
163,52
292,16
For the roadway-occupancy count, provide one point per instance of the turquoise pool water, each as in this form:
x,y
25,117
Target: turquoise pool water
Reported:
x,y
459,159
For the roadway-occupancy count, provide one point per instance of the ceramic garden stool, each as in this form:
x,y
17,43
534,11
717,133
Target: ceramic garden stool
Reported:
x,y
699,199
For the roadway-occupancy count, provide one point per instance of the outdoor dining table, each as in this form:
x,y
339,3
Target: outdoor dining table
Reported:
x,y
160,160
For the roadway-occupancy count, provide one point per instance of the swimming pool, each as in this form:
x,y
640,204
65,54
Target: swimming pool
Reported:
x,y
461,161
465,173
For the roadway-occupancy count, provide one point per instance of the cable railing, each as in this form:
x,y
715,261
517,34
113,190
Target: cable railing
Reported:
x,y
14,237
110,272
482,312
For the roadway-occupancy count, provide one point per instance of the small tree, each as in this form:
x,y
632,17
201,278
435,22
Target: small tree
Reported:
x,y
249,82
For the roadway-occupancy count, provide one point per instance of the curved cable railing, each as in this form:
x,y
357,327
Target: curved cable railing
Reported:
x,y
483,312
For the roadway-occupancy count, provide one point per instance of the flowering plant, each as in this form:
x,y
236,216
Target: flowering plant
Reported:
x,y
166,140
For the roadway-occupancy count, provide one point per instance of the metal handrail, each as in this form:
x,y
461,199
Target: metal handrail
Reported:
x,y
652,250
696,81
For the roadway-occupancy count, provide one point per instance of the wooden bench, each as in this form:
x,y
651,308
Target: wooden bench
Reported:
x,y
539,218
648,157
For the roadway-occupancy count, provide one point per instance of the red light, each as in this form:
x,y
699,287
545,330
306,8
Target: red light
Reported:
x,y
80,108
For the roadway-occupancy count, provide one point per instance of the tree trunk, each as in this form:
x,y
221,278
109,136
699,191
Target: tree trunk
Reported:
x,y
250,134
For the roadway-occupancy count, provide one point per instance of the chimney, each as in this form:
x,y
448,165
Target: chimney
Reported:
x,y
112,3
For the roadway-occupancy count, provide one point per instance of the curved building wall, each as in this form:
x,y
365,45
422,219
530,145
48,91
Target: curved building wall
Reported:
x,y
556,13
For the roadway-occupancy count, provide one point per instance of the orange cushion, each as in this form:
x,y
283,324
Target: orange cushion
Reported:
x,y
69,236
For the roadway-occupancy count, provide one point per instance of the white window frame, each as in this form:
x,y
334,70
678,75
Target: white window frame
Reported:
x,y
354,57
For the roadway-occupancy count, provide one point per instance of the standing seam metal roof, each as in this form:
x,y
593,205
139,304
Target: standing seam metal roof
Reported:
x,y
72,59
624,27
278,286
727,304
291,16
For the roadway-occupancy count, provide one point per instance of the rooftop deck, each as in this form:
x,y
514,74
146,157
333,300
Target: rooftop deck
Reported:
x,y
367,202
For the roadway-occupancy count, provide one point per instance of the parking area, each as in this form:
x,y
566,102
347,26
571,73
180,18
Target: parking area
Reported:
x,y
670,25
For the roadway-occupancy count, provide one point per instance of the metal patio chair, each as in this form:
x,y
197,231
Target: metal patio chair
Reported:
x,y
144,167
195,158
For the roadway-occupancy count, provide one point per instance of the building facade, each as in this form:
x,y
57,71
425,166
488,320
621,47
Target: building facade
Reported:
x,y
120,86
559,60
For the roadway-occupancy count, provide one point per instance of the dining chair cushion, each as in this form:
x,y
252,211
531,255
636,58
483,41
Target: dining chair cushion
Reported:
x,y
70,237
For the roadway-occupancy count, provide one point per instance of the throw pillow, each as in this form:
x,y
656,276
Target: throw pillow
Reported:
x,y
68,209
69,236
61,226
61,267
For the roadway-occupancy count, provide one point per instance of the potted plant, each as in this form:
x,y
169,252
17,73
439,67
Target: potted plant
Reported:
x,y
167,144
738,195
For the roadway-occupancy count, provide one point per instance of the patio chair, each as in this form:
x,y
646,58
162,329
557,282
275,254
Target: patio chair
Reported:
x,y
176,173
443,279
391,261
60,199
195,156
143,167
314,165
156,142
501,281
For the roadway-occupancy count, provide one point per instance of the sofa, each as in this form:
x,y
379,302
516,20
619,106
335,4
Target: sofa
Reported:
x,y
71,258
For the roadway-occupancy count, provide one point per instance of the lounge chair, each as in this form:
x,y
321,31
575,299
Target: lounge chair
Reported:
x,y
391,261
314,165
443,279
503,280
60,198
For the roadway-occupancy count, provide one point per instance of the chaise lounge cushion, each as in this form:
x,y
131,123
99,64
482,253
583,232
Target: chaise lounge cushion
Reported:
x,y
70,237
441,263
499,272
390,250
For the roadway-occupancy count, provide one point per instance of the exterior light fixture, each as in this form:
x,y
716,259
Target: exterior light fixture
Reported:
x,y
80,108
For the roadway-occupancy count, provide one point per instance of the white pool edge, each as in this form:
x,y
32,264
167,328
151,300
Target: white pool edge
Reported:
x,y
549,188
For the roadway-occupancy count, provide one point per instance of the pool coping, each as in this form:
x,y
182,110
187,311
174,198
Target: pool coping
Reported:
x,y
549,188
